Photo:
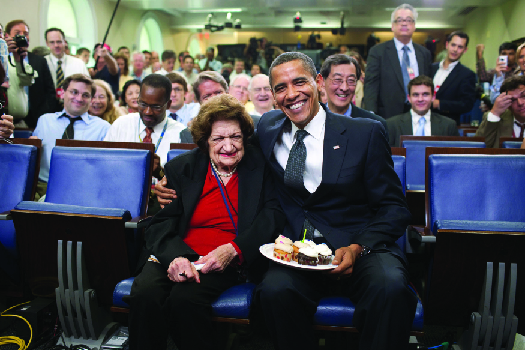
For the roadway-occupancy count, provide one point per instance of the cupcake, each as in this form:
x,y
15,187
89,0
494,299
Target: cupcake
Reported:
x,y
324,254
296,246
310,243
307,256
283,251
284,240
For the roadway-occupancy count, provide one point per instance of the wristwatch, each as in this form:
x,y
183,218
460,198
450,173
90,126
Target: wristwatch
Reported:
x,y
364,251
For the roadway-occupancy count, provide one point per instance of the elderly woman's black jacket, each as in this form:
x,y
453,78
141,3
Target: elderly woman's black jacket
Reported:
x,y
260,219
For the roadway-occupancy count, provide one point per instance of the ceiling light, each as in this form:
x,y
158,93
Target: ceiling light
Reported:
x,y
217,10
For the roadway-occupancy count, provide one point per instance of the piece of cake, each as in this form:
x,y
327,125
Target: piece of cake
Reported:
x,y
283,251
307,256
284,240
296,246
324,254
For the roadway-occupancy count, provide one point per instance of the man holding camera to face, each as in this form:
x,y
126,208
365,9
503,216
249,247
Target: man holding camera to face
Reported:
x,y
31,92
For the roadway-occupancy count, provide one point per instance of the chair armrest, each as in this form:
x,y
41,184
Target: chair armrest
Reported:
x,y
138,222
419,234
73,209
6,215
480,226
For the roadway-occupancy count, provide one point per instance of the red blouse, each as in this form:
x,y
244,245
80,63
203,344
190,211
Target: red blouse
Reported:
x,y
210,225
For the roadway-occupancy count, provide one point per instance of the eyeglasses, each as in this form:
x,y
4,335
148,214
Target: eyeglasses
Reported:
x,y
215,140
155,108
407,20
266,89
349,81
75,93
240,87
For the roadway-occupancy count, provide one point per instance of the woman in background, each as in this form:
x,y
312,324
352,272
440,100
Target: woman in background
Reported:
x,y
129,100
123,65
103,102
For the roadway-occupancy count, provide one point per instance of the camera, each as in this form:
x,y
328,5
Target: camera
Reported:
x,y
21,40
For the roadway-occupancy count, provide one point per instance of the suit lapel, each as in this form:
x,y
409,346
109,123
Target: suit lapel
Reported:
x,y
191,188
406,125
436,127
250,185
420,61
450,80
393,58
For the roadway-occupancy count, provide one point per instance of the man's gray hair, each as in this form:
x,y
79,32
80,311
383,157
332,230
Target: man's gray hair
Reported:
x,y
404,7
242,75
253,78
138,53
208,75
286,57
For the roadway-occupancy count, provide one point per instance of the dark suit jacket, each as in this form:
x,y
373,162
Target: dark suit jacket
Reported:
x,y
359,200
260,216
402,125
492,131
42,94
384,87
185,136
361,113
458,92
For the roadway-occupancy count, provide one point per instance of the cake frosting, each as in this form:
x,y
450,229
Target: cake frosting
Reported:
x,y
284,247
283,240
323,249
300,244
309,251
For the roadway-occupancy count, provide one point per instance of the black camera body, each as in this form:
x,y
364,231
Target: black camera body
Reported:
x,y
21,40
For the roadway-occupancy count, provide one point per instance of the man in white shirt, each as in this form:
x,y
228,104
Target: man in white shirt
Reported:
x,y
151,124
210,63
454,84
260,95
139,63
61,65
180,111
238,68
187,66
420,121
507,117
168,62
239,88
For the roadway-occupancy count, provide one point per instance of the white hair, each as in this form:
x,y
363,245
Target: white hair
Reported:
x,y
257,76
404,7
242,75
138,53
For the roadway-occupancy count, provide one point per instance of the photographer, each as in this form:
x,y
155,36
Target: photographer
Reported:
x,y
31,92
261,52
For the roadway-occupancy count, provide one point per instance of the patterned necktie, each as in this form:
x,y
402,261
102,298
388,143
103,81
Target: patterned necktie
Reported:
x,y
173,116
60,75
522,127
147,139
404,68
421,128
69,133
293,175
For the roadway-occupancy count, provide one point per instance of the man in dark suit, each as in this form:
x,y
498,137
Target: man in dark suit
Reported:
x,y
335,179
420,121
392,64
340,74
454,84
42,92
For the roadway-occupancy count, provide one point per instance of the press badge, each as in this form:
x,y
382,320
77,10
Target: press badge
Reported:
x,y
411,73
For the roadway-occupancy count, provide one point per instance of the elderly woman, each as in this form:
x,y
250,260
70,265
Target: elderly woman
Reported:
x,y
103,102
129,100
225,209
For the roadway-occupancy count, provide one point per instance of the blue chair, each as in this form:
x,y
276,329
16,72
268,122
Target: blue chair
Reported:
x,y
416,145
18,175
511,144
176,149
22,134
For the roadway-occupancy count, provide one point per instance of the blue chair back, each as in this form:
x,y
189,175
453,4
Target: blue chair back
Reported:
x,y
100,177
175,153
511,144
415,166
22,134
17,175
480,189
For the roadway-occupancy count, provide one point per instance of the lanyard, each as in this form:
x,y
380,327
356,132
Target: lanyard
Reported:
x,y
224,199
161,135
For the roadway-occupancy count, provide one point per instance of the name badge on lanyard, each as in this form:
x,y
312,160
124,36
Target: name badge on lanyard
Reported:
x,y
411,73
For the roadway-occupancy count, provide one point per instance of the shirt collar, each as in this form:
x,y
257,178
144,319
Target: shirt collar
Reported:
x,y
54,59
399,45
348,112
86,118
416,117
450,66
316,126
157,128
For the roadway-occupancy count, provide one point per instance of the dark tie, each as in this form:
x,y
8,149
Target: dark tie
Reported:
x,y
147,139
173,116
293,175
69,133
522,127
60,75
404,68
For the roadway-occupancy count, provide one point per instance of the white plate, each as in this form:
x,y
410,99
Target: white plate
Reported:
x,y
267,251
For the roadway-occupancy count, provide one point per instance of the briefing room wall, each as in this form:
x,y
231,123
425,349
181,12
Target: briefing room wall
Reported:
x,y
492,26
11,10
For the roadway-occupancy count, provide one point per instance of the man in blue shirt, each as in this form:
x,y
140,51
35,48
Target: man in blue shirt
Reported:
x,y
73,122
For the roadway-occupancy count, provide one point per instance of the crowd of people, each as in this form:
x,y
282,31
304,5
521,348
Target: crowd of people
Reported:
x,y
294,150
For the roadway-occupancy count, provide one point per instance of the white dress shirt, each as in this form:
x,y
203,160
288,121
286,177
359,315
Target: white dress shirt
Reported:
x,y
314,142
411,55
442,74
415,122
70,65
130,128
187,112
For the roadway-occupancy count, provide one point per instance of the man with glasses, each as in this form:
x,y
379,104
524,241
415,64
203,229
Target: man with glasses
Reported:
x,y
340,74
260,96
152,123
72,123
239,87
392,64
179,110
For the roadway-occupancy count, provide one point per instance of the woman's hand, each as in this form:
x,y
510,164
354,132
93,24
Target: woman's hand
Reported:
x,y
181,270
218,259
